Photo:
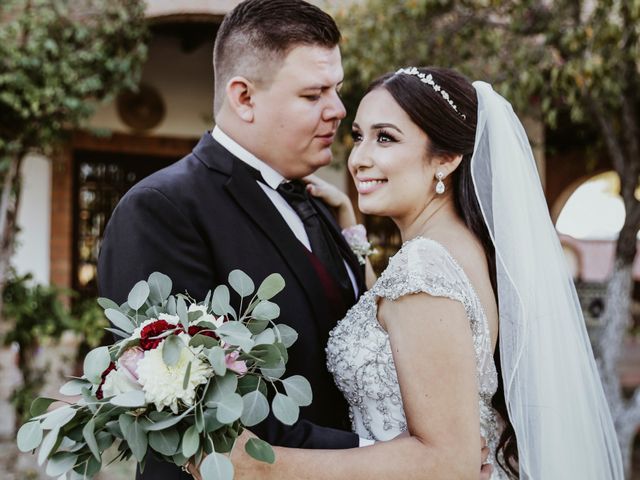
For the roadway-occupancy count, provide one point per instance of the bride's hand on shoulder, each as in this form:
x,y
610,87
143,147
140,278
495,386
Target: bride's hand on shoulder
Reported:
x,y
334,197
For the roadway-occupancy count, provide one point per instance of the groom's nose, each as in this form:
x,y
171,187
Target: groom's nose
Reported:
x,y
335,108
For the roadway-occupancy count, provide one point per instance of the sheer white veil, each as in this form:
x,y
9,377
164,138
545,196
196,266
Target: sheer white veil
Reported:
x,y
552,388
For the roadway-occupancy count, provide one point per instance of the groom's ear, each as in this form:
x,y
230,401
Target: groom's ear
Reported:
x,y
240,97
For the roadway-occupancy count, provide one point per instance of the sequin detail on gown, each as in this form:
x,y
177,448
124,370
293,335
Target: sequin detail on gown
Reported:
x,y
359,353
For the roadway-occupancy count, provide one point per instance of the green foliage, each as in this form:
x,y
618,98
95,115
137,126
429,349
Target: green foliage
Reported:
x,y
562,53
36,315
36,311
58,59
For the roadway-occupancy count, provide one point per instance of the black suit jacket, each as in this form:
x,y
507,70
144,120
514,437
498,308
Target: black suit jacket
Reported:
x,y
196,221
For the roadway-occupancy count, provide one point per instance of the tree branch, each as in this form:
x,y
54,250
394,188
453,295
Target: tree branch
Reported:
x,y
629,111
609,135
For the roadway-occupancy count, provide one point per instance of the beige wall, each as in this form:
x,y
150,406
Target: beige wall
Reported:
x,y
185,83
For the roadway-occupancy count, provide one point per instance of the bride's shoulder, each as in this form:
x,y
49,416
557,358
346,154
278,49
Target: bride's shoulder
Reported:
x,y
459,248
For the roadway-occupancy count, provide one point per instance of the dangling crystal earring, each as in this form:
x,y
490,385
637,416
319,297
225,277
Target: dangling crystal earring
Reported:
x,y
440,184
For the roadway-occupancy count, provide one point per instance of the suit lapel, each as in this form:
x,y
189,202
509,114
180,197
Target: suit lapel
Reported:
x,y
246,192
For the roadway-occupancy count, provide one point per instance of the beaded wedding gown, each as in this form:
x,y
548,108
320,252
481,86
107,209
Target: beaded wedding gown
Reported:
x,y
359,353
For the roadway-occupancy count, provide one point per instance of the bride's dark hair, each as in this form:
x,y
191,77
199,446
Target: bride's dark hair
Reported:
x,y
453,132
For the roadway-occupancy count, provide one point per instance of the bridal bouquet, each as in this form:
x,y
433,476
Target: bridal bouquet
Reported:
x,y
182,382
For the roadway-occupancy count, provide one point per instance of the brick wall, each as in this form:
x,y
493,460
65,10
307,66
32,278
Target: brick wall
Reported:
x,y
62,219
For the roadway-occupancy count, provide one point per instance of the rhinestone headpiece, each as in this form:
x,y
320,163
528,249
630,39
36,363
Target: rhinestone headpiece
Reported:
x,y
428,79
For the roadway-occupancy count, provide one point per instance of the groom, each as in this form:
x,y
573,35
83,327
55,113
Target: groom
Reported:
x,y
228,204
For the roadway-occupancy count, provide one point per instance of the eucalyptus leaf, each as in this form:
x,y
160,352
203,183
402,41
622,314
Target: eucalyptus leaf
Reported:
x,y
287,335
58,418
260,450
171,306
220,387
199,418
190,441
89,436
187,375
181,308
216,358
40,405
211,423
216,467
266,337
95,363
136,435
200,339
220,300
159,287
74,387
222,442
285,409
117,332
104,440
165,442
269,355
169,421
299,390
29,436
249,383
229,408
274,372
61,463
235,333
172,349
256,326
48,443
119,320
271,286
91,467
130,399
241,283
107,303
266,310
178,458
255,408
138,295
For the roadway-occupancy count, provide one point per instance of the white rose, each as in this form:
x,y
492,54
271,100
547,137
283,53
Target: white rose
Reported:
x,y
162,384
118,382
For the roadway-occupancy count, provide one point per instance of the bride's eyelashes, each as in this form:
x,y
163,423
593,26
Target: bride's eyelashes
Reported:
x,y
382,136
385,136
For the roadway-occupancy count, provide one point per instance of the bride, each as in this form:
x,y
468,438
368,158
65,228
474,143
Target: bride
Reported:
x,y
474,328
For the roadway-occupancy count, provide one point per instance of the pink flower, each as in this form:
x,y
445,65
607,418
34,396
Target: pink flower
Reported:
x,y
128,361
235,365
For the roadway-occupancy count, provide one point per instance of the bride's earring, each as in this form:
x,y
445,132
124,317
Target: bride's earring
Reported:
x,y
440,184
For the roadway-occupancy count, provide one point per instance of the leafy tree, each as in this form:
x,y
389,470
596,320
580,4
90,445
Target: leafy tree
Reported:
x,y
58,59
565,55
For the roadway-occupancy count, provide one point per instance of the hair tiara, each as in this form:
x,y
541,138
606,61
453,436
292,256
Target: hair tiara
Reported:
x,y
428,79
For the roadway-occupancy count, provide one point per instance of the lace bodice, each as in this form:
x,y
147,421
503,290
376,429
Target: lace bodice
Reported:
x,y
359,352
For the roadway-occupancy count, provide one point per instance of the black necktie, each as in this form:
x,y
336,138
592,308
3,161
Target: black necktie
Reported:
x,y
322,243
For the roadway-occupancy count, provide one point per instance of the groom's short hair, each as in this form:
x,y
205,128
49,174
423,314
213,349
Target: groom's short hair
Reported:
x,y
256,36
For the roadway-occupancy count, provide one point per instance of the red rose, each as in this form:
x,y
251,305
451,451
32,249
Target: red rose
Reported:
x,y
112,366
194,330
153,330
